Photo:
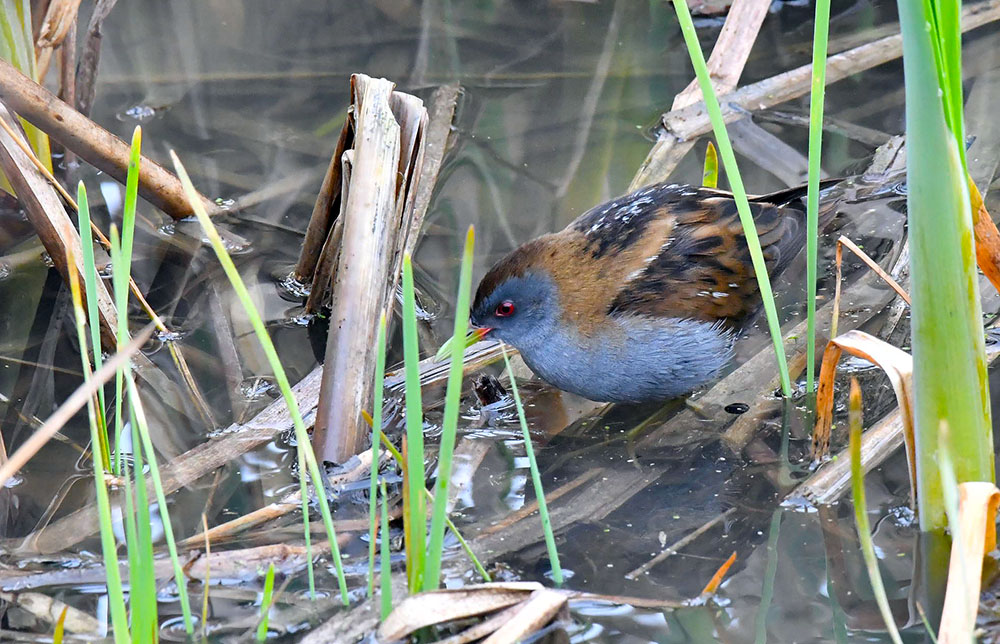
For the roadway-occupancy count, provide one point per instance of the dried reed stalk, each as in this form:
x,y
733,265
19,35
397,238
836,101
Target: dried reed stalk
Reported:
x,y
90,141
371,210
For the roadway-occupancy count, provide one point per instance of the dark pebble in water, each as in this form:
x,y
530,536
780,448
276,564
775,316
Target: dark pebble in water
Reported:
x,y
737,408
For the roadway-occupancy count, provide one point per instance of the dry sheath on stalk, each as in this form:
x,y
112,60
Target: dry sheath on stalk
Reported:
x,y
381,150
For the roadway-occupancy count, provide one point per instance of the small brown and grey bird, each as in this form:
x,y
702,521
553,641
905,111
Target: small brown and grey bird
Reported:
x,y
638,299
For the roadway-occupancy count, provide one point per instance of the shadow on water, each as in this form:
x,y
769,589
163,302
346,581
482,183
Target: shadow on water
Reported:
x,y
557,114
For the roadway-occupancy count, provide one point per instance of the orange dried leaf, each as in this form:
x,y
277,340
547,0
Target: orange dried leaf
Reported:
x,y
896,363
713,583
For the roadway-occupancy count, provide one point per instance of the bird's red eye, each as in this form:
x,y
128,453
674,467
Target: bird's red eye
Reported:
x,y
505,309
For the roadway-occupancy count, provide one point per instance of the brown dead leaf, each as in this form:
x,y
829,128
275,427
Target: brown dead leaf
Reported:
x,y
440,606
987,237
896,363
539,611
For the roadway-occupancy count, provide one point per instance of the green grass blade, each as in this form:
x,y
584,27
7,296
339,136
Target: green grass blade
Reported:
x,y
141,581
395,453
301,435
265,603
17,47
817,94
146,586
122,271
861,514
449,425
385,561
377,397
116,596
93,314
307,530
142,427
142,578
736,183
710,175
135,586
536,479
480,570
417,526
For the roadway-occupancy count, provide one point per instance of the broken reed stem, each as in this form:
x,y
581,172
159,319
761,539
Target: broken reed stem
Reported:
x,y
370,215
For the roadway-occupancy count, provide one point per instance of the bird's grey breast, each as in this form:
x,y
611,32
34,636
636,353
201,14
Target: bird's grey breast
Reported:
x,y
638,358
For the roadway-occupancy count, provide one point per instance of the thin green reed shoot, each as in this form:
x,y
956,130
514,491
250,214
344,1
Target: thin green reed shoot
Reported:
x,y
395,453
93,315
417,525
265,603
139,540
710,175
307,532
301,435
949,360
385,561
378,390
536,478
821,31
142,429
736,183
125,268
861,513
116,596
449,424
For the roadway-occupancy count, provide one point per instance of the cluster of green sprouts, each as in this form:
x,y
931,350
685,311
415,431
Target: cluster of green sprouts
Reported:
x,y
140,622
425,546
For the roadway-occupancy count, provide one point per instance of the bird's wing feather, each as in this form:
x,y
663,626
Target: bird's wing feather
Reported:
x,y
703,270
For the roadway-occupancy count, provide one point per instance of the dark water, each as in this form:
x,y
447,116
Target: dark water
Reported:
x,y
559,106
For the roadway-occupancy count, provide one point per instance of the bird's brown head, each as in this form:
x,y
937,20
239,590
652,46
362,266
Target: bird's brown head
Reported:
x,y
517,300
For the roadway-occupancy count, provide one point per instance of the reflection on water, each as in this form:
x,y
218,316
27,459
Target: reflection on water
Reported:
x,y
560,102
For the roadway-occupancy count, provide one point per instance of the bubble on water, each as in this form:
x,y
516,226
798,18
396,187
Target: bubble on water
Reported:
x,y
167,229
170,335
5,270
139,113
47,260
566,573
